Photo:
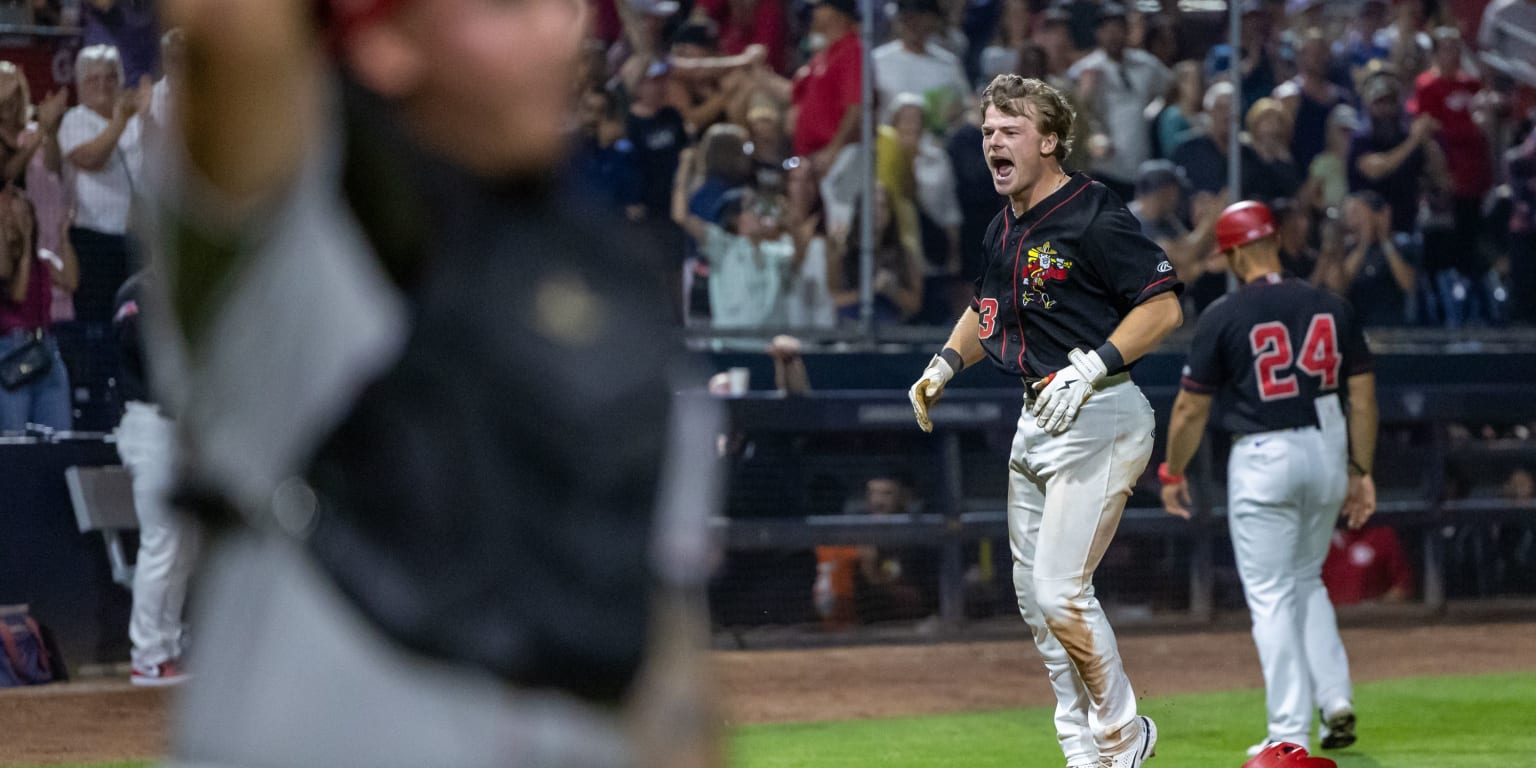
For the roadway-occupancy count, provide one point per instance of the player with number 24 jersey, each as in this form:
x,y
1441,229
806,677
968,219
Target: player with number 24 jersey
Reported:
x,y
1276,345
1294,374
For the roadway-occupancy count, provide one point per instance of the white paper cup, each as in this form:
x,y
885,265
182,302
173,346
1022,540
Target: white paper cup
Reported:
x,y
740,380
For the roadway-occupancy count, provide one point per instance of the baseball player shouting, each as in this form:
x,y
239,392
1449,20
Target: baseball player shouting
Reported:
x,y
1072,294
1282,353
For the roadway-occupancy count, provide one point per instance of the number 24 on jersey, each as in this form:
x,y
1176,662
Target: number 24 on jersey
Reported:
x,y
1273,357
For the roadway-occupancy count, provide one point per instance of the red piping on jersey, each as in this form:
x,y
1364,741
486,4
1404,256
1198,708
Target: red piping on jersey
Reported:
x,y
1198,388
1156,284
1018,311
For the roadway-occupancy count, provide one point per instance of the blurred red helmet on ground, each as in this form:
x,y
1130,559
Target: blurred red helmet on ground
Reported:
x,y
1284,754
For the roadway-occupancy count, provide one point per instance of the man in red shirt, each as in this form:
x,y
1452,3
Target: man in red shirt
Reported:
x,y
1446,93
827,90
743,23
1365,565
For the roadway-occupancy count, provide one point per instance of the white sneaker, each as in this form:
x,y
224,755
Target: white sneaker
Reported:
x,y
160,675
1142,749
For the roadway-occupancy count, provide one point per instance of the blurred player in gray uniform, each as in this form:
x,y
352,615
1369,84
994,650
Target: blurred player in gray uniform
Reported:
x,y
1300,401
1071,296
425,402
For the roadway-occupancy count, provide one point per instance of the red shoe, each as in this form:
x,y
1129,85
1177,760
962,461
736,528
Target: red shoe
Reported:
x,y
160,675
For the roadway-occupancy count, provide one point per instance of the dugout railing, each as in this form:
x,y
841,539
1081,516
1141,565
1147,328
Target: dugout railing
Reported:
x,y
951,519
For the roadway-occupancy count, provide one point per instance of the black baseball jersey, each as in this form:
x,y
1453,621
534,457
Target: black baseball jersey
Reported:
x,y
1063,276
1270,349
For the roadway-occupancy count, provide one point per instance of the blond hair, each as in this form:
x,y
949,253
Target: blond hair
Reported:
x,y
1034,99
1267,107
21,106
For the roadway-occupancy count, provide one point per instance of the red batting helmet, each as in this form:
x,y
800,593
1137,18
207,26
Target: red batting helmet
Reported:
x,y
1283,754
1243,223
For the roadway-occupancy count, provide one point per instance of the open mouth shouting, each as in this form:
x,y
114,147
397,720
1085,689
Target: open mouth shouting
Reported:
x,y
1002,170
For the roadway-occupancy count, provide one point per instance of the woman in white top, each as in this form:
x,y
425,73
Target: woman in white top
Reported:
x,y
101,142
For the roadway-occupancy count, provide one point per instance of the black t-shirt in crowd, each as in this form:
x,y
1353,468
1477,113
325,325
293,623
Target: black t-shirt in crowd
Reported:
x,y
658,141
1269,180
1063,276
1204,164
1374,292
1270,349
1400,188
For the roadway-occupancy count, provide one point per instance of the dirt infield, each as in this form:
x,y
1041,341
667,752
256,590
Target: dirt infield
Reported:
x,y
102,721
888,681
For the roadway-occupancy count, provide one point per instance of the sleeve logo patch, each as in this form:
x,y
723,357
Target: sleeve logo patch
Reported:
x,y
1164,266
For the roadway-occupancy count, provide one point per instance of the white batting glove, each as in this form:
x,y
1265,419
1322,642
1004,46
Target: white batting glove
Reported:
x,y
928,388
1063,393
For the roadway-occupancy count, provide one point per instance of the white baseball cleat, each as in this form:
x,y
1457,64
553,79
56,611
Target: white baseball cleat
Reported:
x,y
1143,748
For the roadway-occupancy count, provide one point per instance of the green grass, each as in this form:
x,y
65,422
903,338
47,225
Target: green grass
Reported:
x,y
1436,722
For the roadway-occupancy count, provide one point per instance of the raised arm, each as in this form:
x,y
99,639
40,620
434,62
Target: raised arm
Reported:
x,y
1187,254
249,101
681,183
18,214
93,155
1402,272
248,107
49,114
1375,165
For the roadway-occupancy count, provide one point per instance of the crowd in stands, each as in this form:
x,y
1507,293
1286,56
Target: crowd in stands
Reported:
x,y
1397,144
73,163
1396,147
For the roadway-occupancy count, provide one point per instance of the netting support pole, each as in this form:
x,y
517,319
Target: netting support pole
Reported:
x,y
951,563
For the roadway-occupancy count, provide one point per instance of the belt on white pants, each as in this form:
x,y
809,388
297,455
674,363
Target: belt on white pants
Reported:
x,y
1238,437
1109,381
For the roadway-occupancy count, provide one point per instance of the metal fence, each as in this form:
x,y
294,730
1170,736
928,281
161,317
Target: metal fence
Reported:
x,y
797,462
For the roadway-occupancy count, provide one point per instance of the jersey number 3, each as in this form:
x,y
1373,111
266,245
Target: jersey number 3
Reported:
x,y
1272,357
988,320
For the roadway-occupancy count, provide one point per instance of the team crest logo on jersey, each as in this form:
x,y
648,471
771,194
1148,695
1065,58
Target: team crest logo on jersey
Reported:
x,y
1044,265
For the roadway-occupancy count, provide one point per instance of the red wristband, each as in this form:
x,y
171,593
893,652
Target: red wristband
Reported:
x,y
1168,479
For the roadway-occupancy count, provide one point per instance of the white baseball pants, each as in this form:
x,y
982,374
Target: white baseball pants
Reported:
x,y
1285,489
1065,497
167,539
